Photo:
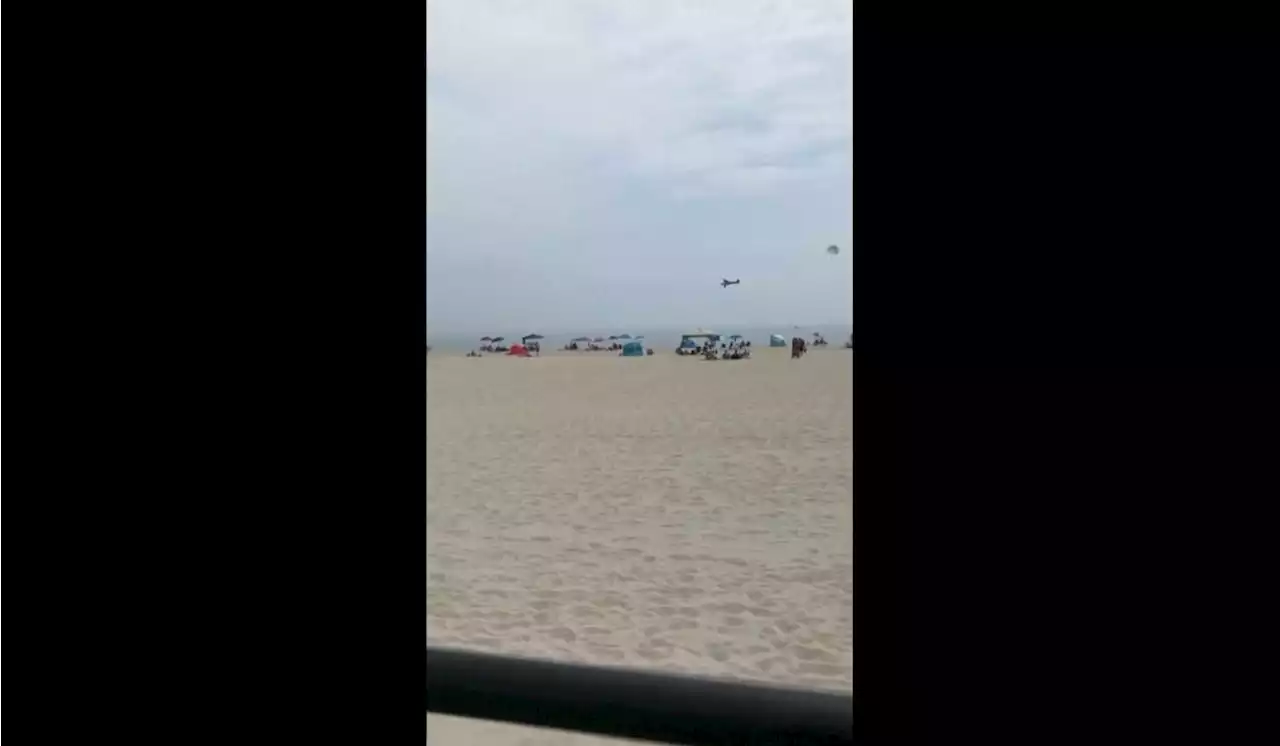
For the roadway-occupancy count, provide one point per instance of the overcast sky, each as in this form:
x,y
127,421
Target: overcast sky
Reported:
x,y
604,163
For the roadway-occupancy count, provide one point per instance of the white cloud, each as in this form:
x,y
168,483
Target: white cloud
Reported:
x,y
635,84
566,128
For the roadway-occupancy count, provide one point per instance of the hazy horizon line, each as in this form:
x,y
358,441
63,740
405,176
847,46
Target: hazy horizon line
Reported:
x,y
638,327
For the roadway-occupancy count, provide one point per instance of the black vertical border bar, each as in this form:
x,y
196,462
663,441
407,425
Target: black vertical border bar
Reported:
x,y
879,680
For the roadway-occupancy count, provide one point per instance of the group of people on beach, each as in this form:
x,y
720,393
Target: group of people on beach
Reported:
x,y
711,349
593,347
533,347
737,349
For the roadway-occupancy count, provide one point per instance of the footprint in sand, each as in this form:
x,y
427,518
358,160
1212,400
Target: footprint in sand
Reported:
x,y
821,669
812,654
562,633
768,664
786,626
605,653
653,653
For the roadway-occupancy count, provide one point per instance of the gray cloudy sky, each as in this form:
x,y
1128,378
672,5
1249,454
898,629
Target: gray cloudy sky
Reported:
x,y
603,163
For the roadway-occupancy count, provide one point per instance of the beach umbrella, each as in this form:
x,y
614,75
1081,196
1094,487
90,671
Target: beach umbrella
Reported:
x,y
735,336
833,250
533,336
598,339
624,336
486,339
497,339
612,337
581,339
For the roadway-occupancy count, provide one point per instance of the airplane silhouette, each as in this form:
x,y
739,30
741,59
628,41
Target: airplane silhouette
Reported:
x,y
726,283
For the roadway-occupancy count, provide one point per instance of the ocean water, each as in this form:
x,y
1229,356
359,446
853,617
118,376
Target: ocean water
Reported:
x,y
658,339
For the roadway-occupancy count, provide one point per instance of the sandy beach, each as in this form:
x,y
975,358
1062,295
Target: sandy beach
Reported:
x,y
664,512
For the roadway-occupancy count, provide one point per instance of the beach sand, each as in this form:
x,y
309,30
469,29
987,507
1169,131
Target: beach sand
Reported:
x,y
660,512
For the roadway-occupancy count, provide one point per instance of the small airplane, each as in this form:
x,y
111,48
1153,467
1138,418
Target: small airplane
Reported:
x,y
726,283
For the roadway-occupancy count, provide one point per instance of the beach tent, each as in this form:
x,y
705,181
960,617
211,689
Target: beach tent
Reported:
x,y
518,350
688,344
633,349
777,340
700,334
